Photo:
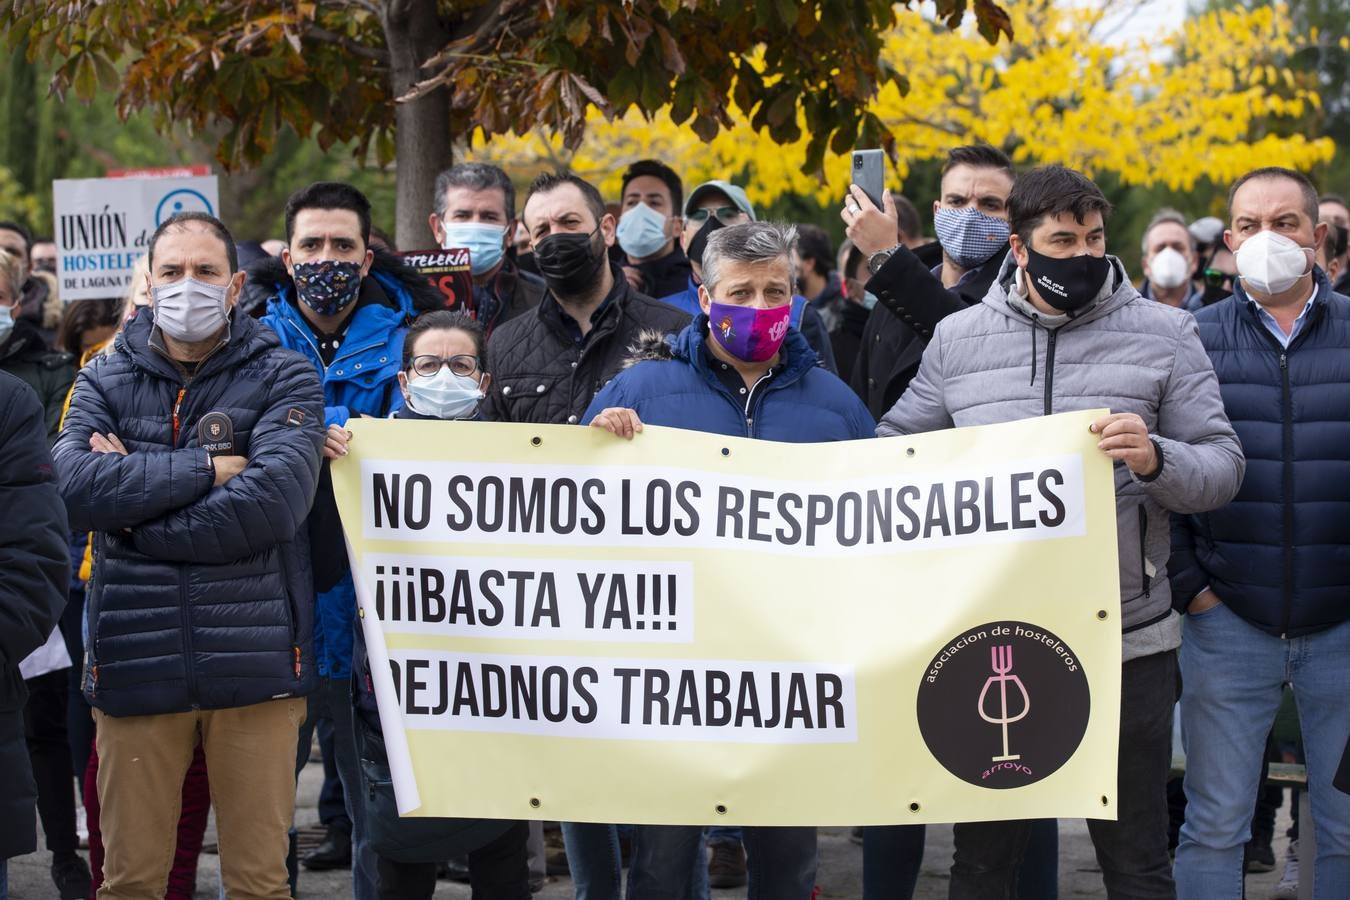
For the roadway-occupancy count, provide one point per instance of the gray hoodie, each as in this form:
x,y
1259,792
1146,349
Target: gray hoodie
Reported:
x,y
1002,360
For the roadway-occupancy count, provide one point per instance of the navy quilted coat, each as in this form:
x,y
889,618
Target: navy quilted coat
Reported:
x,y
201,596
1279,554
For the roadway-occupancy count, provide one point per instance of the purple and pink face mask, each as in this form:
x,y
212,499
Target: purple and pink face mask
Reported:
x,y
747,333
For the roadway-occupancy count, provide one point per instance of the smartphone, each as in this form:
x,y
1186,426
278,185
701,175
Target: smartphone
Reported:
x,y
869,173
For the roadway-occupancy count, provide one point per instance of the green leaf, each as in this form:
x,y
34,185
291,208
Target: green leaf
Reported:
x,y
86,78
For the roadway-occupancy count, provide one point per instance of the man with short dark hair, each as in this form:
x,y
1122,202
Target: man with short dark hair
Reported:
x,y
192,453
649,229
1263,580
476,208
971,217
1063,329
39,303
548,365
817,279
345,307
1168,255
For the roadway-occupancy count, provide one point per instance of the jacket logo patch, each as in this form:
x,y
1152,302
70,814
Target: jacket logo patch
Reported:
x,y
295,416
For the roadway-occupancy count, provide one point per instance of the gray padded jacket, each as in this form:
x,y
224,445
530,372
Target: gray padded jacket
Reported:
x,y
1002,360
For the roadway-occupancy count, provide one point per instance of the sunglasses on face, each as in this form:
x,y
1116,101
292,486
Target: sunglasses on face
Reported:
x,y
723,214
463,364
1216,278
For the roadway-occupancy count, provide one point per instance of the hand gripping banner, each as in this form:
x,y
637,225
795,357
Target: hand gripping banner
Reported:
x,y
691,628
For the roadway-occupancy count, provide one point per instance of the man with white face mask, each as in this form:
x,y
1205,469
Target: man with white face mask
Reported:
x,y
1169,260
1264,579
191,451
476,209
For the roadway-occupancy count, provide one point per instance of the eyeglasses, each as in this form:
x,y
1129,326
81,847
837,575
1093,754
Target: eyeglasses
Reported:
x,y
463,364
723,214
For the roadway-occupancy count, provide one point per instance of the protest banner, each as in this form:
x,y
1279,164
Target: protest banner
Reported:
x,y
103,225
691,628
448,272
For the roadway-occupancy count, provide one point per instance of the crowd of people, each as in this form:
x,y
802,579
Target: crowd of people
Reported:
x,y
178,616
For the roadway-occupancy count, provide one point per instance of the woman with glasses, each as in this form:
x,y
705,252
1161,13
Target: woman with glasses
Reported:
x,y
444,372
444,376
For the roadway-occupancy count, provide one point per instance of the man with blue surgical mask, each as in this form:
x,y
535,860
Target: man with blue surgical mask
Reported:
x,y
476,209
649,229
1168,256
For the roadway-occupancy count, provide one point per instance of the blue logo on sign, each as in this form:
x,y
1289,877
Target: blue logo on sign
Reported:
x,y
182,200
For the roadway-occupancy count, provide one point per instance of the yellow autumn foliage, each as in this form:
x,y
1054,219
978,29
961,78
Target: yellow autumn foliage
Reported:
x,y
1210,100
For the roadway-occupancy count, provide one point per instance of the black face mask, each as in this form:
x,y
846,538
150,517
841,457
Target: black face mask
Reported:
x,y
700,239
569,262
1067,284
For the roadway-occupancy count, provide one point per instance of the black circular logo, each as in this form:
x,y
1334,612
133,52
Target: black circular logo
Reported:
x,y
1004,704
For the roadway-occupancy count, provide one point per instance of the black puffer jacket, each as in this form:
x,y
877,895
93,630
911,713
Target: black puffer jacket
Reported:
x,y
910,302
541,374
201,595
26,356
34,570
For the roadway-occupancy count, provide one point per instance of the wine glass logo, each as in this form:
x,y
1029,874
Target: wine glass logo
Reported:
x,y
1001,661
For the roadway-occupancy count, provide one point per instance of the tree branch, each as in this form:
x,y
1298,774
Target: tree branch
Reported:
x,y
328,37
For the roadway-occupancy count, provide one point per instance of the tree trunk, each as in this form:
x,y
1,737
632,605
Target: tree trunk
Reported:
x,y
414,33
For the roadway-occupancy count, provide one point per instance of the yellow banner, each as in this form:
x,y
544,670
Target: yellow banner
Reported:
x,y
690,628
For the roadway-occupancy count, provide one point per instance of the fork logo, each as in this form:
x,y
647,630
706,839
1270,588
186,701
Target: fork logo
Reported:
x,y
1003,704
1001,660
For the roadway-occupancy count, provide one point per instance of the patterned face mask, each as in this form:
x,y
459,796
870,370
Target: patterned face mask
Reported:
x,y
327,286
969,236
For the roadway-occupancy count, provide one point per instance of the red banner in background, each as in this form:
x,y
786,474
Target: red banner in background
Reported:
x,y
193,171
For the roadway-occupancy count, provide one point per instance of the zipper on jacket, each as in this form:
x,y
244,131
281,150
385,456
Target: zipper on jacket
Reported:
x,y
749,402
188,663
1050,369
177,405
1287,417
1143,551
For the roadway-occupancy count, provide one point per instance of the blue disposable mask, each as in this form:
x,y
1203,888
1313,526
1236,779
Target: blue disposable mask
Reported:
x,y
642,232
444,395
6,322
483,241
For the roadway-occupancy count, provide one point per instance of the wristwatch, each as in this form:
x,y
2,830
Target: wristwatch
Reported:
x,y
878,259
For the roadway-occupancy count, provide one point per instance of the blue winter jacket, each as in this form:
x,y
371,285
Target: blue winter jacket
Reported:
x,y
200,595
1279,554
673,384
362,380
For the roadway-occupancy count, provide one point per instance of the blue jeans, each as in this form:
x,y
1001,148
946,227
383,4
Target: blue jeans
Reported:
x,y
594,860
1233,675
333,700
780,862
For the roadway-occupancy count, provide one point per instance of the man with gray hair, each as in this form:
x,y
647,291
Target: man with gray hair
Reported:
x,y
1168,255
475,208
737,369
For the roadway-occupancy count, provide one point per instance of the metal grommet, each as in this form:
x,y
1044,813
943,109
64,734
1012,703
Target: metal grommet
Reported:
x,y
914,807
726,451
534,803
536,440
909,451
1101,614
720,809
1105,801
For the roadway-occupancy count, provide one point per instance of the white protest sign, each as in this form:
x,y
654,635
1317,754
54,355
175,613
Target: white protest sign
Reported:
x,y
103,225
